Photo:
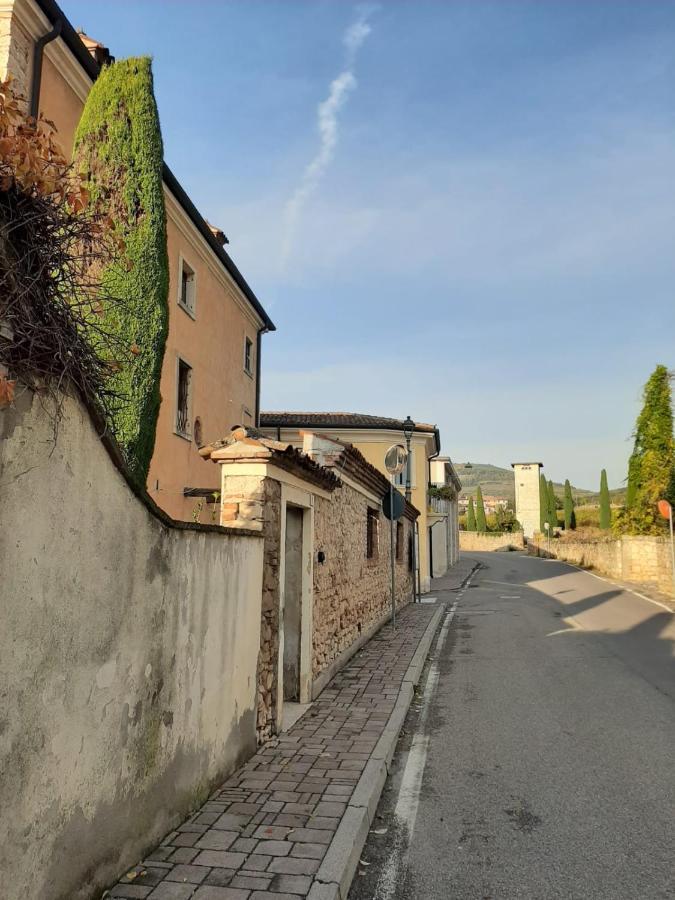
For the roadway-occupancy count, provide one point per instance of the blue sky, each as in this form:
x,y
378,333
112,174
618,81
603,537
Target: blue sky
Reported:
x,y
464,211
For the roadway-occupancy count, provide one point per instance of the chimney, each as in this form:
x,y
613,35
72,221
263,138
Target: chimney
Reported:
x,y
97,50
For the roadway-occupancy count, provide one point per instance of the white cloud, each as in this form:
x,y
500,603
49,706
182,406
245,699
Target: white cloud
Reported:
x,y
327,123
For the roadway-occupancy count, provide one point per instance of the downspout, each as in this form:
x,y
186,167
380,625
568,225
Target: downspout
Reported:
x,y
38,54
258,353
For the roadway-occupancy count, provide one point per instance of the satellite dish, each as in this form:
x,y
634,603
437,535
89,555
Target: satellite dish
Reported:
x,y
395,459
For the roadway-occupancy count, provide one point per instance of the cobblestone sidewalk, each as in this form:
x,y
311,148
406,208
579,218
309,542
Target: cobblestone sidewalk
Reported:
x,y
265,833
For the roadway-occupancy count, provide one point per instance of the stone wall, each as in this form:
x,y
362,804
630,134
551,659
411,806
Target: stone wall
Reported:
x,y
351,593
128,655
474,541
16,49
631,558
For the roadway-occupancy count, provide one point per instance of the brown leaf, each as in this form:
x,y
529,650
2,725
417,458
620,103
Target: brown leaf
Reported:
x,y
6,391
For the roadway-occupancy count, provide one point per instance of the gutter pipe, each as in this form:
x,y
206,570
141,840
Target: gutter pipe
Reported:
x,y
38,55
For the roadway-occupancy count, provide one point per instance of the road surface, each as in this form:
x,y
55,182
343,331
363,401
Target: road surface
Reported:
x,y
542,764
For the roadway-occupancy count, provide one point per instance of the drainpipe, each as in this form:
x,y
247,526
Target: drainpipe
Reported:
x,y
258,349
38,53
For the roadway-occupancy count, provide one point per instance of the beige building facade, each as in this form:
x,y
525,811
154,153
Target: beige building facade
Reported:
x,y
210,377
526,475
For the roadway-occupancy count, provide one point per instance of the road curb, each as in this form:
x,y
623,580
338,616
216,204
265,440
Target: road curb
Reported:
x,y
334,876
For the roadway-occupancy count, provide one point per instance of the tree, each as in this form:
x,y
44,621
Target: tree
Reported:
x,y
552,508
543,503
568,506
605,511
481,522
118,152
470,516
651,465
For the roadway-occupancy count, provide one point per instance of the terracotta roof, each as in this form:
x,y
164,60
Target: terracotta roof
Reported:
x,y
336,420
247,444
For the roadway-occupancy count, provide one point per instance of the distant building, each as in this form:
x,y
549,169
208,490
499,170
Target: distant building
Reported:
x,y
526,477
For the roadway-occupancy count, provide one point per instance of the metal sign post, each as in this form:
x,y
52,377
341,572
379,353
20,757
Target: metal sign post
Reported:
x,y
666,511
394,461
392,551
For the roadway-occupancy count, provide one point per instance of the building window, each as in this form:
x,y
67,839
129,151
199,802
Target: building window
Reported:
x,y
187,288
372,522
248,356
183,397
399,541
399,480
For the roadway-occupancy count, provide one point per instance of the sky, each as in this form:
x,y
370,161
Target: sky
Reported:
x,y
460,211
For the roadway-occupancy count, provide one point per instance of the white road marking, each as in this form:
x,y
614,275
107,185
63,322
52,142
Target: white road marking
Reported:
x,y
407,804
609,581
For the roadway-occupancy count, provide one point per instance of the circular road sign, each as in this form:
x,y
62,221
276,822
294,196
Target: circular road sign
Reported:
x,y
398,505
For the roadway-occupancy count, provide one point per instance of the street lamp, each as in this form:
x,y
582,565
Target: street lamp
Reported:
x,y
408,429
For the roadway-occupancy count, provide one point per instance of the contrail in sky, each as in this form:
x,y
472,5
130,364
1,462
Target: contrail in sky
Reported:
x,y
327,122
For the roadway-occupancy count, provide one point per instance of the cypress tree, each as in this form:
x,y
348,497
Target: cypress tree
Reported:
x,y
470,516
650,468
552,510
543,503
481,521
605,511
118,151
570,518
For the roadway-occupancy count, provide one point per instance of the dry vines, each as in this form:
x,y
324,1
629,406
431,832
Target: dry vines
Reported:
x,y
51,332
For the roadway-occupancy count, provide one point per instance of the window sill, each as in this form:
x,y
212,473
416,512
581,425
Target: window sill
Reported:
x,y
183,434
250,374
186,309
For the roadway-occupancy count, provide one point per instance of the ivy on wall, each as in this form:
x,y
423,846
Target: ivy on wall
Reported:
x,y
119,154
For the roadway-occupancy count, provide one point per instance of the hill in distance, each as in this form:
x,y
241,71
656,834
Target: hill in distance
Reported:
x,y
499,482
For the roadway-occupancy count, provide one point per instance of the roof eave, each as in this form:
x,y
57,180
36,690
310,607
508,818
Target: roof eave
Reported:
x,y
72,40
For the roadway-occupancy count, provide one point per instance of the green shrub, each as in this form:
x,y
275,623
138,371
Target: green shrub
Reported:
x,y
118,151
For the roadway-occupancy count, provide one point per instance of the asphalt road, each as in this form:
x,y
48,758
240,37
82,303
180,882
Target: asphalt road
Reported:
x,y
550,742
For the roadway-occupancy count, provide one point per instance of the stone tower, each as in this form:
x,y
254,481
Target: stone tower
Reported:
x,y
527,495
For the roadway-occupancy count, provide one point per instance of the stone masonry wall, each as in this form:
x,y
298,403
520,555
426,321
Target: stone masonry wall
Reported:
x,y
633,558
15,55
474,541
351,592
256,501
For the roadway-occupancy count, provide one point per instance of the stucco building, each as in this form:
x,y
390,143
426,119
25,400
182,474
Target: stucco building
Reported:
x,y
526,475
372,435
210,377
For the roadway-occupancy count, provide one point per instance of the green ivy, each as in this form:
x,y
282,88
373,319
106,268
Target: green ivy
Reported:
x,y
651,468
119,152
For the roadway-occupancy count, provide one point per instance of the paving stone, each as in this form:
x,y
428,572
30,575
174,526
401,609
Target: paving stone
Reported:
x,y
309,851
245,845
272,832
168,890
185,839
217,840
323,822
130,891
220,877
160,854
291,884
310,836
183,855
224,859
232,821
211,892
257,882
267,895
258,861
289,865
274,848
193,874
145,876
